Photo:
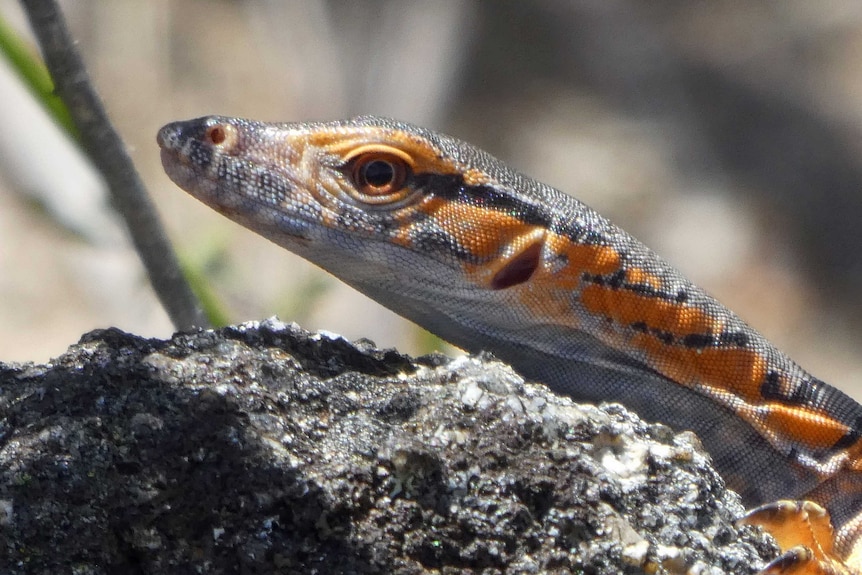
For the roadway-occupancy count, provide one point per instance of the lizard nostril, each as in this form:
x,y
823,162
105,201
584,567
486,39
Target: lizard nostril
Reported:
x,y
221,135
217,135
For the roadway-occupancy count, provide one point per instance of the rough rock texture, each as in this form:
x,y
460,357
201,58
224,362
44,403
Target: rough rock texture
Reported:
x,y
262,448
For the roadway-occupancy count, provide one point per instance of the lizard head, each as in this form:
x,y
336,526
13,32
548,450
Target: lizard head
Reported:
x,y
368,190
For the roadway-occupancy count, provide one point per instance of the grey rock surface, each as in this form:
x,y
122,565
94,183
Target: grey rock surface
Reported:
x,y
262,448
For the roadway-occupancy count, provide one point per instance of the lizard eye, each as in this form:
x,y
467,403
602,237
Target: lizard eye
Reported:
x,y
377,174
379,177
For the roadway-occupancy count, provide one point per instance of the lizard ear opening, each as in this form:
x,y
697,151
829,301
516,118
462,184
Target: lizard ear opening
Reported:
x,y
519,268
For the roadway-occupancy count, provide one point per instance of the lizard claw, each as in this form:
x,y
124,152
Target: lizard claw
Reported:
x,y
804,532
800,560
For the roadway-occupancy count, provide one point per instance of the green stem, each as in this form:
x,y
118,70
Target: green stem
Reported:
x,y
26,61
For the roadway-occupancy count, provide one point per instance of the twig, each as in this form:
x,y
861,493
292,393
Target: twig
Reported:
x,y
107,152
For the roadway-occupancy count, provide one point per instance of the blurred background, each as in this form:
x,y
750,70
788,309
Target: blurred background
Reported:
x,y
726,135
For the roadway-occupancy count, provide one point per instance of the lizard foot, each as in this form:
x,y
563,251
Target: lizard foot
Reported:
x,y
804,532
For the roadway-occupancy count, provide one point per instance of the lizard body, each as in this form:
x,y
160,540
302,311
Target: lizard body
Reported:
x,y
489,259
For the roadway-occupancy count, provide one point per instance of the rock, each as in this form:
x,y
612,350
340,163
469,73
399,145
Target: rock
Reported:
x,y
261,448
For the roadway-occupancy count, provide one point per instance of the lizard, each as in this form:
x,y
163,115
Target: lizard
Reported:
x,y
487,258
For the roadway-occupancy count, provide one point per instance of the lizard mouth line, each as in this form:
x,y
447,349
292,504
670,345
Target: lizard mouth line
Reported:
x,y
240,206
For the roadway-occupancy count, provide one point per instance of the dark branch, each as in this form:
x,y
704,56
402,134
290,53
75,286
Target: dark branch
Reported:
x,y
106,150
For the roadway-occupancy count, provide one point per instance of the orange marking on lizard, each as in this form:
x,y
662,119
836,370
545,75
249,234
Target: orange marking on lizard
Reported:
x,y
582,258
627,307
733,371
642,277
854,453
486,234
560,284
804,425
